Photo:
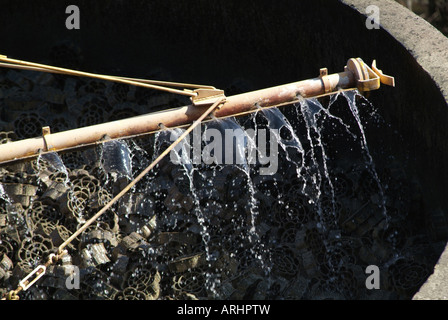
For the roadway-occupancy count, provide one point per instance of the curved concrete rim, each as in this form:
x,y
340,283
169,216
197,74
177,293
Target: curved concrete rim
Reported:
x,y
426,44
429,48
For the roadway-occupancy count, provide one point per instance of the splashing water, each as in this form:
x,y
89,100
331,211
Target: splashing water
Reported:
x,y
3,195
262,235
240,144
51,163
351,96
180,156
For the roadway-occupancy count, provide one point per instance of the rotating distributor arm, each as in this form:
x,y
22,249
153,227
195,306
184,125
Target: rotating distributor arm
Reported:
x,y
356,75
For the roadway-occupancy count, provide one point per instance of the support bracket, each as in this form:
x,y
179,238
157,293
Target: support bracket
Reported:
x,y
368,79
46,133
324,77
207,96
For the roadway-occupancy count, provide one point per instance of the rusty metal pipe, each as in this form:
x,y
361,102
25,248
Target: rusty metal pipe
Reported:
x,y
170,118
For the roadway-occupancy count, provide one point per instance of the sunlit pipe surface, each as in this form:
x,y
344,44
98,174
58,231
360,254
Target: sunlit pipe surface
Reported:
x,y
143,124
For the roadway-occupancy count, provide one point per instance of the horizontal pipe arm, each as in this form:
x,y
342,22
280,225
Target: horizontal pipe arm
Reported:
x,y
149,123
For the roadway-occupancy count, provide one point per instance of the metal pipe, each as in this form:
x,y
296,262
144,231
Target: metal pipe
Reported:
x,y
152,122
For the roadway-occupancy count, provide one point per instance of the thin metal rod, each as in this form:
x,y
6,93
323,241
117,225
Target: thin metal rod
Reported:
x,y
140,176
94,75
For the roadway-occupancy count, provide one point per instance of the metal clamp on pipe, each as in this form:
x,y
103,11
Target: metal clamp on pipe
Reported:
x,y
46,134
